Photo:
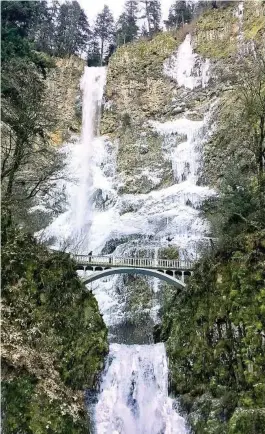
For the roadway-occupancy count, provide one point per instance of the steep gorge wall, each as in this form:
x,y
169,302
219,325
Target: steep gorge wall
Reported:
x,y
64,95
144,86
154,101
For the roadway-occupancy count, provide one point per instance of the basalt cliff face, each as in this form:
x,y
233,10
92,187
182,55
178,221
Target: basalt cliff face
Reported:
x,y
154,80
64,94
149,174
162,104
161,107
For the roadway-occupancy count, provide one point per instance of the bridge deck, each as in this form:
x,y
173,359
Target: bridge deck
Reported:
x,y
114,261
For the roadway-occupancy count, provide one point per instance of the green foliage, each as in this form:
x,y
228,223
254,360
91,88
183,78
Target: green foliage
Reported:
x,y
34,413
54,325
234,159
170,252
104,30
247,421
214,334
93,54
151,11
214,330
180,13
52,28
72,32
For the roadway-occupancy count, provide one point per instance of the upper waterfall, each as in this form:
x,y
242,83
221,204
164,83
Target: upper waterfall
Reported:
x,y
71,229
92,86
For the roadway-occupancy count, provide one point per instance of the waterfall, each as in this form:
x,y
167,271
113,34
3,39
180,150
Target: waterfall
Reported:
x,y
134,391
72,228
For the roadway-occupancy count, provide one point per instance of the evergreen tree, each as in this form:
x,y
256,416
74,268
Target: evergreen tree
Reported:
x,y
73,31
104,30
154,16
16,20
151,11
180,13
121,30
131,9
43,30
93,55
127,29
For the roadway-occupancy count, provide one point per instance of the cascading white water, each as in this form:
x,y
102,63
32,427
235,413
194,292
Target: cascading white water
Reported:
x,y
134,393
92,86
71,229
134,397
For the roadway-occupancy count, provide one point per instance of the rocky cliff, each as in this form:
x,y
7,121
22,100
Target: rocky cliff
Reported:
x,y
162,104
143,86
53,338
64,95
160,101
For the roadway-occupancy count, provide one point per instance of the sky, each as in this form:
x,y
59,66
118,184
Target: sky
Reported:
x,y
92,7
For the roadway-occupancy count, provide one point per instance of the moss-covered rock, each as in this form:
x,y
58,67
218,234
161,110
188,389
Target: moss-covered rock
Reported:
x,y
63,93
214,338
217,31
247,421
137,91
53,338
135,151
170,252
254,20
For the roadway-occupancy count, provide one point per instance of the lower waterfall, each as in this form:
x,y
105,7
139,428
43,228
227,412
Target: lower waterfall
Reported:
x,y
133,397
134,393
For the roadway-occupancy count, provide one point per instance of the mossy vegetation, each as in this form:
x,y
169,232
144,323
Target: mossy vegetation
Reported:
x,y
63,92
214,329
254,20
217,30
135,82
139,92
213,333
134,152
216,33
53,338
170,252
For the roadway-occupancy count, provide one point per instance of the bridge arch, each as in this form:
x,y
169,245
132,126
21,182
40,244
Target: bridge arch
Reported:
x,y
129,270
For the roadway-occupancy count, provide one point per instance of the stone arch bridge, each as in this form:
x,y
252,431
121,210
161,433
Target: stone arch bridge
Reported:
x,y
174,272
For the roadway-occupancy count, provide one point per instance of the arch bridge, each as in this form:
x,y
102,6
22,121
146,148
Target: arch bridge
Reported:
x,y
172,271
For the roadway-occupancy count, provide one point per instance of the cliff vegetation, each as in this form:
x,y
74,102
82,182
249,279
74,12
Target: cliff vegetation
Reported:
x,y
214,329
53,337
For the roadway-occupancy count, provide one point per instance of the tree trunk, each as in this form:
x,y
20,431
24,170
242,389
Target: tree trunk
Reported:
x,y
101,52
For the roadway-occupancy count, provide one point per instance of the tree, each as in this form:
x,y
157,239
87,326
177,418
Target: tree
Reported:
x,y
126,28
44,27
73,31
151,11
17,18
104,30
179,14
238,144
93,54
30,165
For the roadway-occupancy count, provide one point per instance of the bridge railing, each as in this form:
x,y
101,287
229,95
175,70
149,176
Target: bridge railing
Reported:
x,y
132,262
